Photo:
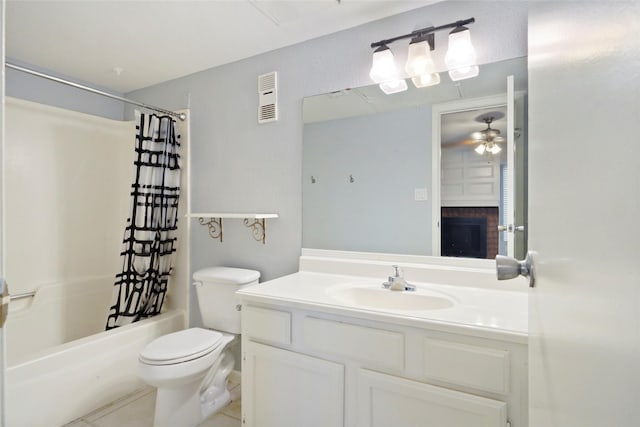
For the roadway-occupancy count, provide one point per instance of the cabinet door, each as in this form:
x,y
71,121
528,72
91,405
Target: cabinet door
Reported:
x,y
388,401
282,388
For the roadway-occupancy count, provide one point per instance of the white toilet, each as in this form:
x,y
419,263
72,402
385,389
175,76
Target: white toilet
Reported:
x,y
190,367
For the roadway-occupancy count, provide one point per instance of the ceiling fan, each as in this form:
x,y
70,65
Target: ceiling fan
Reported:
x,y
488,138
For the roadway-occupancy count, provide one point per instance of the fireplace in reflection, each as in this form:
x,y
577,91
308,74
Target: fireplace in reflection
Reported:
x,y
469,232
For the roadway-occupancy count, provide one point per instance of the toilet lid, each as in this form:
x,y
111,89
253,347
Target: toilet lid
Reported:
x,y
227,275
181,346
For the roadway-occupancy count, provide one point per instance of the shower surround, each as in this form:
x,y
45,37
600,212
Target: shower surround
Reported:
x,y
68,178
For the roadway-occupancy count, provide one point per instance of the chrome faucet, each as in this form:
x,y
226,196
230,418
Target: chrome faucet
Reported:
x,y
397,282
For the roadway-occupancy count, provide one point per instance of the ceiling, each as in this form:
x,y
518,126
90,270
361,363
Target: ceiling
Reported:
x,y
457,127
128,45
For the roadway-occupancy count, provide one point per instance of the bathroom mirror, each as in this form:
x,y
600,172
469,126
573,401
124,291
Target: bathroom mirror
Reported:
x,y
372,177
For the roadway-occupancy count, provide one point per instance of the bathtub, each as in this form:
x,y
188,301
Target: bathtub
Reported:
x,y
59,376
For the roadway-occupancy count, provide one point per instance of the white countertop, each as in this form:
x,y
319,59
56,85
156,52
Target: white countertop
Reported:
x,y
489,313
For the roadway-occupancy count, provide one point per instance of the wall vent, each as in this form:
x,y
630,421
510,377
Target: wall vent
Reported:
x,y
268,97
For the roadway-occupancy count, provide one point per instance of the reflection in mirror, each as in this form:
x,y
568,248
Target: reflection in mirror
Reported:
x,y
478,193
472,161
368,175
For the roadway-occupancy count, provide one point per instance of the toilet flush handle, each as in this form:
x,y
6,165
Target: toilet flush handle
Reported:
x,y
197,284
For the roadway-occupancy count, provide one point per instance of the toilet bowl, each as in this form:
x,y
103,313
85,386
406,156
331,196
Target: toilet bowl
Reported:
x,y
190,368
177,364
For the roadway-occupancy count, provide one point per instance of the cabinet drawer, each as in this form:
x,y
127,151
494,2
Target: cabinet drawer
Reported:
x,y
370,346
266,324
467,365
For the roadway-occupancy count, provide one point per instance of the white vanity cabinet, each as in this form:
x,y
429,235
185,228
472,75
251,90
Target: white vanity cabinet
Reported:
x,y
306,366
386,400
284,388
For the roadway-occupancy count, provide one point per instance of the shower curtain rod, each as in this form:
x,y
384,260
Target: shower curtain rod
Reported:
x,y
181,116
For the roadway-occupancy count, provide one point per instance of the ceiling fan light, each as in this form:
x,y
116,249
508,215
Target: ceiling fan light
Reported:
x,y
393,86
488,136
419,59
494,149
425,80
480,149
383,66
461,55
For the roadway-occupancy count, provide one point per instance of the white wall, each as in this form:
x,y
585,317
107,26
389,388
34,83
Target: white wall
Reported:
x,y
239,165
28,87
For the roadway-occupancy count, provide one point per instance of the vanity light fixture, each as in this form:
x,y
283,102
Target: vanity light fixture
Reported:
x,y
383,68
461,56
394,86
420,67
384,72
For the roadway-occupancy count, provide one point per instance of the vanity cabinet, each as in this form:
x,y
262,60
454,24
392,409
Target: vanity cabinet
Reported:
x,y
310,367
386,400
290,389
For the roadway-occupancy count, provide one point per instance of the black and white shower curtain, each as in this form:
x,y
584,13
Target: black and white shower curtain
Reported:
x,y
150,235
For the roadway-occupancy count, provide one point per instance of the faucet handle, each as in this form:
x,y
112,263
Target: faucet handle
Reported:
x,y
397,282
398,271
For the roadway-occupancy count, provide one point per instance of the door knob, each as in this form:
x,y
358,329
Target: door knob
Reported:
x,y
509,268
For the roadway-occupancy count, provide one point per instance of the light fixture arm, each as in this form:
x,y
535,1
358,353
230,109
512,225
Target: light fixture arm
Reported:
x,y
427,33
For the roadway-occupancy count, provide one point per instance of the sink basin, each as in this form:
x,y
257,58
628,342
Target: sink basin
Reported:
x,y
384,299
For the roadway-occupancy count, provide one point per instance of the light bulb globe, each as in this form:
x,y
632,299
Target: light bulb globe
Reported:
x,y
383,66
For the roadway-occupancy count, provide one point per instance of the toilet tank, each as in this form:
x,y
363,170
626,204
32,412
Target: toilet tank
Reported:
x,y
215,290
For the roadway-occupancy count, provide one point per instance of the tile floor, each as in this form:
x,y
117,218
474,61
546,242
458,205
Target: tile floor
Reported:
x,y
136,410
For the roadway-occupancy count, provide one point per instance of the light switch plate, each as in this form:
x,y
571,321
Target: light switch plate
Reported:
x,y
420,194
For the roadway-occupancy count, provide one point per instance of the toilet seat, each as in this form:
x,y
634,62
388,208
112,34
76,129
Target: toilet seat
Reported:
x,y
181,346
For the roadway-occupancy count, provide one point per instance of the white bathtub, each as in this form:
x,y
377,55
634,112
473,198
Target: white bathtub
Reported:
x,y
56,377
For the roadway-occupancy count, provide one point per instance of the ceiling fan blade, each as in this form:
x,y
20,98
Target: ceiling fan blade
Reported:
x,y
478,136
461,143
498,139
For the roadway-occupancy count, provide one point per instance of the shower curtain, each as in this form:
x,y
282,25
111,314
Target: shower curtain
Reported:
x,y
150,234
